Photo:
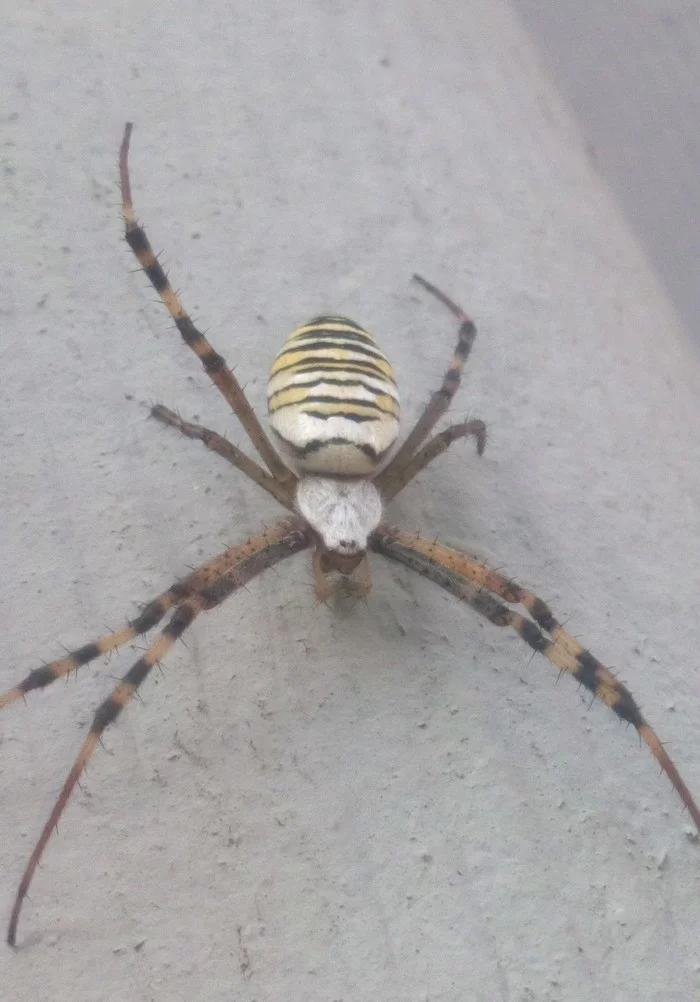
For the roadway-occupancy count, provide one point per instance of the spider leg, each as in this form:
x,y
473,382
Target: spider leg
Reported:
x,y
441,400
217,443
234,571
474,583
214,364
106,714
390,484
146,620
149,617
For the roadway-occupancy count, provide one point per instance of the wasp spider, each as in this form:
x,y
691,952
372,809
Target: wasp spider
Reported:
x,y
334,410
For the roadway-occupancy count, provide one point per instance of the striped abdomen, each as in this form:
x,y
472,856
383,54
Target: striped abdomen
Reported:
x,y
332,398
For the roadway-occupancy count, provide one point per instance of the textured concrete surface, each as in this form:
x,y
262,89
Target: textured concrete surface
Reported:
x,y
393,801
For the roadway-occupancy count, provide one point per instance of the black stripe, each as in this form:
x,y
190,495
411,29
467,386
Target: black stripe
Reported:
x,y
587,671
329,319
85,654
148,617
542,615
40,677
323,398
357,418
316,444
37,679
106,714
334,365
627,709
213,362
467,333
323,382
532,636
335,335
157,276
180,621
138,672
190,334
137,240
310,348
485,603
155,610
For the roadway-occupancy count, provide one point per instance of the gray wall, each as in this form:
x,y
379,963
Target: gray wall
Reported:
x,y
394,801
630,71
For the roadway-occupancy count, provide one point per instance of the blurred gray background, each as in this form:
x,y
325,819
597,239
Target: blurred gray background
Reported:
x,y
630,71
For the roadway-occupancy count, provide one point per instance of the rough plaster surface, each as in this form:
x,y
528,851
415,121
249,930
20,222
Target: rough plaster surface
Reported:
x,y
390,802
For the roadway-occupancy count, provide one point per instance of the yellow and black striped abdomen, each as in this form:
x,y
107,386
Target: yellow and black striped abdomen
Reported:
x,y
332,398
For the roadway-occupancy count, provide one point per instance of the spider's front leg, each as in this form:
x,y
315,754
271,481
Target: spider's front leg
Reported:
x,y
214,364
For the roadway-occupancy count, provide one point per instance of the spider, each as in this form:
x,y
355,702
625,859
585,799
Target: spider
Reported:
x,y
334,411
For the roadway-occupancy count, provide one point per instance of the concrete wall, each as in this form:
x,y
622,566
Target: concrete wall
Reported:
x,y
392,801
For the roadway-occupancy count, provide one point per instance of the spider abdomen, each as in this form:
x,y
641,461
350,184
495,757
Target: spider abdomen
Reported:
x,y
332,398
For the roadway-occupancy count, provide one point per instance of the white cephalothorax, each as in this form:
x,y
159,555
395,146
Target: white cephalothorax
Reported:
x,y
342,512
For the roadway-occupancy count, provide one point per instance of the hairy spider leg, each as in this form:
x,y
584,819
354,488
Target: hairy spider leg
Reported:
x,y
228,451
150,616
442,398
263,551
475,583
214,364
391,484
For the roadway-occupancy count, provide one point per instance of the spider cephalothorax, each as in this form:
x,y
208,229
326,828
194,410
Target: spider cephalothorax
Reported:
x,y
334,409
344,513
